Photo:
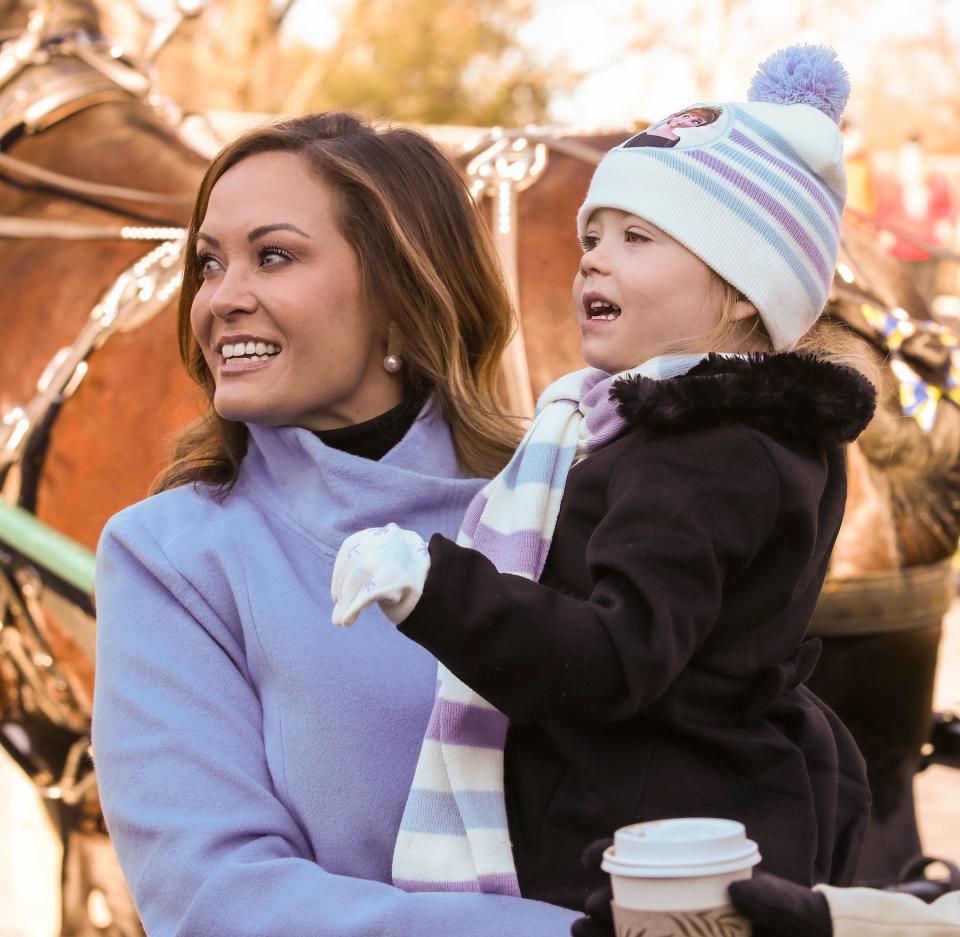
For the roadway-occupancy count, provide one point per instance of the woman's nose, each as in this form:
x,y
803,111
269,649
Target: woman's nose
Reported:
x,y
233,294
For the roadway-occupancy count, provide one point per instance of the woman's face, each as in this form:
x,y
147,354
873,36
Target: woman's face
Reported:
x,y
280,316
638,292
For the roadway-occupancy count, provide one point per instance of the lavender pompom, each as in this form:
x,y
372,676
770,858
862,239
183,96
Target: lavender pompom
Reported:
x,y
803,74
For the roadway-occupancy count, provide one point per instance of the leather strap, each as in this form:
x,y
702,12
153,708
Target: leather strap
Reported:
x,y
13,226
72,186
902,600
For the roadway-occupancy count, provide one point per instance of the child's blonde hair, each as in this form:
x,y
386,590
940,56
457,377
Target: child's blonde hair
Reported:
x,y
825,340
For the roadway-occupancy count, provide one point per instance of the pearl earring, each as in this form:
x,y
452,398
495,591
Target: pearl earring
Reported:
x,y
392,363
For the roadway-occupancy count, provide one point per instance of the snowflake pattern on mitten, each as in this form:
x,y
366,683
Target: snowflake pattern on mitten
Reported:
x,y
384,565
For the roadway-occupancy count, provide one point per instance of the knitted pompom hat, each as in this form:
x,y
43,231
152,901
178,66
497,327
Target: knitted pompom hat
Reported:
x,y
753,189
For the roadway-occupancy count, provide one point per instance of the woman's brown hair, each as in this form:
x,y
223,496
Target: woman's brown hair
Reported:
x,y
426,264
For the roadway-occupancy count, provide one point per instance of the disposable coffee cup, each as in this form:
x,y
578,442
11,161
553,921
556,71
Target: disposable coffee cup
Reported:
x,y
670,877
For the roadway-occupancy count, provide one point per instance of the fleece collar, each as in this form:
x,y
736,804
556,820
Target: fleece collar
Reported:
x,y
326,494
782,394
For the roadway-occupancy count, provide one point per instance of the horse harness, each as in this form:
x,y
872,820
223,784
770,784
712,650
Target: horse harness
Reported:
x,y
44,80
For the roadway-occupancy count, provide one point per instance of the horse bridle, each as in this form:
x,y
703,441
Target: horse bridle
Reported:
x,y
43,80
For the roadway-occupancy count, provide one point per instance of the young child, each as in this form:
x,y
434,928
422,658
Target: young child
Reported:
x,y
640,621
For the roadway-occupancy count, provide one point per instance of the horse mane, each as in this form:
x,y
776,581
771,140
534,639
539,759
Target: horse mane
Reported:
x,y
916,470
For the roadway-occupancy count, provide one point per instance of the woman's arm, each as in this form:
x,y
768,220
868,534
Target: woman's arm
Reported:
x,y
866,912
685,516
207,846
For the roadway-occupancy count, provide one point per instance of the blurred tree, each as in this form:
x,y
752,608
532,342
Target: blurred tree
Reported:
x,y
429,61
911,93
903,59
476,62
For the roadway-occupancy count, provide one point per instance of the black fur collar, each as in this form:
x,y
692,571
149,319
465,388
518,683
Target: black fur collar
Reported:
x,y
781,394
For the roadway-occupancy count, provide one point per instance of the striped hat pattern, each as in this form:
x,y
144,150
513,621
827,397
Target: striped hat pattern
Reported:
x,y
754,189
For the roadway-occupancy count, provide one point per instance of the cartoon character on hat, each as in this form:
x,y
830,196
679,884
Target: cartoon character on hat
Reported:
x,y
669,131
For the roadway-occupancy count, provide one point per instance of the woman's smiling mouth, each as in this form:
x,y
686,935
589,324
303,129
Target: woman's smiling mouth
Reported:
x,y
245,353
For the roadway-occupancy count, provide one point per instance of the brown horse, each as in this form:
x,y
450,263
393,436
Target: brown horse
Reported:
x,y
109,438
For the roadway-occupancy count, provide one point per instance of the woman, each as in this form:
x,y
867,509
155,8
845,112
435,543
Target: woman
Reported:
x,y
342,310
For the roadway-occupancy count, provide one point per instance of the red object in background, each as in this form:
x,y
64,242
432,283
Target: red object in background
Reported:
x,y
916,200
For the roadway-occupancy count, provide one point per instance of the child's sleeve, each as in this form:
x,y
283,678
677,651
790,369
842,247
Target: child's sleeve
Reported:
x,y
685,516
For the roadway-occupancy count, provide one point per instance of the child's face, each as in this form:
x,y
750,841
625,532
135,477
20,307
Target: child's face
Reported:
x,y
638,292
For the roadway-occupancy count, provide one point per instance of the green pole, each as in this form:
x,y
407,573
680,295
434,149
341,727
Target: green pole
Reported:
x,y
46,547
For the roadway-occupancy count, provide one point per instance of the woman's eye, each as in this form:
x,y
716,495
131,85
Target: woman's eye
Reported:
x,y
589,242
207,264
273,256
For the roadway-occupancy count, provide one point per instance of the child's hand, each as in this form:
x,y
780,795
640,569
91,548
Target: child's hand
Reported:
x,y
387,565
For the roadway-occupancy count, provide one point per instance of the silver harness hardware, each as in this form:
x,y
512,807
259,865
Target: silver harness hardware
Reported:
x,y
42,81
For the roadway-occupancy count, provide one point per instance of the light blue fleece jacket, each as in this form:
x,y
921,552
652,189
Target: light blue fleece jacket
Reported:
x,y
254,760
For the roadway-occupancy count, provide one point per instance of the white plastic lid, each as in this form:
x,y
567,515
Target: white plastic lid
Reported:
x,y
681,848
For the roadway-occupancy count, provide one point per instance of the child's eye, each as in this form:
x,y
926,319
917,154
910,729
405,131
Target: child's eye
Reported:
x,y
588,242
635,237
207,264
273,256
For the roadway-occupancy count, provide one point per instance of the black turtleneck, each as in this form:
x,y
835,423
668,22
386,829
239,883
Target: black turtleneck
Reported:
x,y
373,439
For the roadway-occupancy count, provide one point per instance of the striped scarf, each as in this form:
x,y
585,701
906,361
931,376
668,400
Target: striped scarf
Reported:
x,y
453,834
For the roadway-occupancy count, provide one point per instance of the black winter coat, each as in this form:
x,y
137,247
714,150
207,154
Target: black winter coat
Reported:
x,y
656,669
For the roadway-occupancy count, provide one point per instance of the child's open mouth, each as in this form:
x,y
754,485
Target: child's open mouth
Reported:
x,y
601,309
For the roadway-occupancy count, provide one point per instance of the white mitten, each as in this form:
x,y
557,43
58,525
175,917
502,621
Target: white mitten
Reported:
x,y
388,565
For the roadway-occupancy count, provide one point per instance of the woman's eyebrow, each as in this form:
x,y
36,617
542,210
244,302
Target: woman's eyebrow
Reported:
x,y
263,229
